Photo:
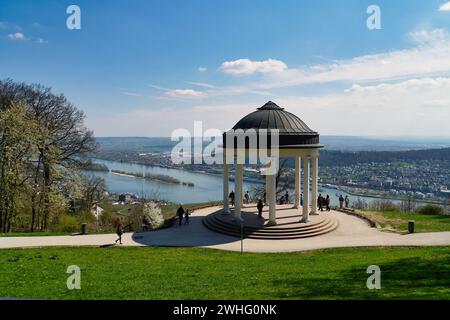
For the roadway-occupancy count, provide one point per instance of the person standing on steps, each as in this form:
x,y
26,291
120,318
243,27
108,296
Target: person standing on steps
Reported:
x,y
347,201
260,207
286,197
180,214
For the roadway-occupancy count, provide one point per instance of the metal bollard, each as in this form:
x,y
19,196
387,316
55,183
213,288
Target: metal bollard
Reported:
x,y
83,228
410,226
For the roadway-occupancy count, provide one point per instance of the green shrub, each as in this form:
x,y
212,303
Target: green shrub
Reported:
x,y
67,223
431,209
383,205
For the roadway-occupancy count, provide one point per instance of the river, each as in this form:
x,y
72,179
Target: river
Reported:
x,y
207,187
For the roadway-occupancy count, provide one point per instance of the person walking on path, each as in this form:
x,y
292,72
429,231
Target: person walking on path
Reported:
x,y
260,207
186,216
180,214
341,201
347,201
286,197
327,202
231,196
119,232
247,197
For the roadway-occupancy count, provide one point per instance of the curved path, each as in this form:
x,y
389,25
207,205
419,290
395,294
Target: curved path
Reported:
x,y
352,232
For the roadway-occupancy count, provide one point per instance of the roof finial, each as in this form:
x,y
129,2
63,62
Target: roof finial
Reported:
x,y
270,106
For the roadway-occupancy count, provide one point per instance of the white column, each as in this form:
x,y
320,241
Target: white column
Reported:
x,y
315,167
272,200
267,188
238,194
297,182
305,161
226,191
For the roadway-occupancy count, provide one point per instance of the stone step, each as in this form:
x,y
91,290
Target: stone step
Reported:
x,y
220,219
213,220
262,232
279,237
326,225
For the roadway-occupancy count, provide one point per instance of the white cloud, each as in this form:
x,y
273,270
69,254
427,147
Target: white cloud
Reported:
x,y
414,107
131,94
411,84
433,38
202,69
248,67
41,41
430,56
411,107
185,93
135,122
400,92
202,85
445,7
154,86
17,36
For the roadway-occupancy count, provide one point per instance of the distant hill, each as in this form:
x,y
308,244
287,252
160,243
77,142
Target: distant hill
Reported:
x,y
338,158
336,143
348,143
339,150
135,144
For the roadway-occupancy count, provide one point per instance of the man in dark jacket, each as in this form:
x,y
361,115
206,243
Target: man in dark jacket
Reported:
x,y
232,198
260,207
341,201
180,214
320,202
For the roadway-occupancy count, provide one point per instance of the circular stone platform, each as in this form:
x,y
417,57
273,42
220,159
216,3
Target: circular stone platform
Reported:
x,y
288,224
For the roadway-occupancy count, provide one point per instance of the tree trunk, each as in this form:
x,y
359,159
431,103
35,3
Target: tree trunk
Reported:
x,y
33,197
47,183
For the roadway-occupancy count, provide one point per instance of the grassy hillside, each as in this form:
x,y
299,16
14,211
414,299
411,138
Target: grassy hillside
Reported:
x,y
175,273
398,221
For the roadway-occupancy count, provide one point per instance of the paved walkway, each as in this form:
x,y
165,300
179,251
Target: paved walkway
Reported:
x,y
352,232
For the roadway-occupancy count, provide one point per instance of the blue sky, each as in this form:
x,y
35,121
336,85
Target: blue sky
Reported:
x,y
145,68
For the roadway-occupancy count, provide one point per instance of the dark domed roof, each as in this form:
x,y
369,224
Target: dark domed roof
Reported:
x,y
271,116
292,131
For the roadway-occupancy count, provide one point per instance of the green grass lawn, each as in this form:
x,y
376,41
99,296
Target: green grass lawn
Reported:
x,y
177,273
33,234
398,221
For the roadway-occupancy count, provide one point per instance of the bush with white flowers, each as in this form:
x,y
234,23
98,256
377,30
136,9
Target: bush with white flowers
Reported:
x,y
154,215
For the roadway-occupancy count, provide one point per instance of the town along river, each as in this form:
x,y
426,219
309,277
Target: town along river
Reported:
x,y
207,187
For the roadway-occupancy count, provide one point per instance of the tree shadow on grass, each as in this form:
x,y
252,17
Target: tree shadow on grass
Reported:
x,y
411,278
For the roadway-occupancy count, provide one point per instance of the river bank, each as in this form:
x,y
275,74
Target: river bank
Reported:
x,y
207,186
383,197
